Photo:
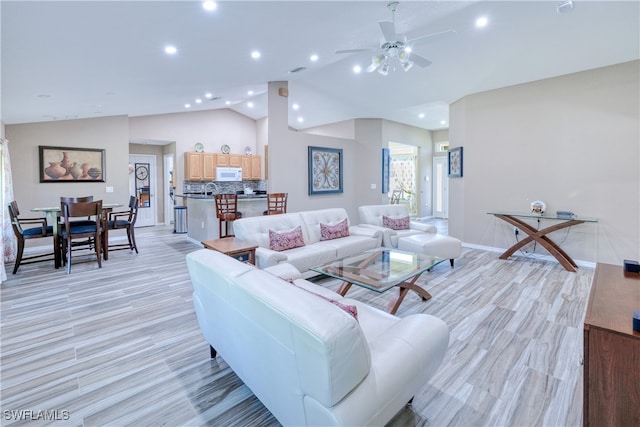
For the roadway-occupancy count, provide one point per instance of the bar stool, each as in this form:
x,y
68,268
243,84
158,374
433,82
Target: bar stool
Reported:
x,y
227,211
276,204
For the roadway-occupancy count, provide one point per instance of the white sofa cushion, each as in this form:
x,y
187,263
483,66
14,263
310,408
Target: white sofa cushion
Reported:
x,y
257,228
371,216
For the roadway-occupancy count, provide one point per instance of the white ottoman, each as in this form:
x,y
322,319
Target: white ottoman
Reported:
x,y
432,244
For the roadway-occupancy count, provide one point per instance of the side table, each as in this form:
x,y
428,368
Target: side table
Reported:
x,y
239,249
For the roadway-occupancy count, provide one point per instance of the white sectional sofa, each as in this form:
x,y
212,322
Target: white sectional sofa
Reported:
x,y
412,236
309,361
314,251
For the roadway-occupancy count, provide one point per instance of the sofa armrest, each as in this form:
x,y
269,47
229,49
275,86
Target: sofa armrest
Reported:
x,y
421,226
268,258
389,236
363,230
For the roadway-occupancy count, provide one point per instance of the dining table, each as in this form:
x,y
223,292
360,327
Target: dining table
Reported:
x,y
52,213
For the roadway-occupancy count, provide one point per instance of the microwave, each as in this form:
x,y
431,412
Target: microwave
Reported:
x,y
228,174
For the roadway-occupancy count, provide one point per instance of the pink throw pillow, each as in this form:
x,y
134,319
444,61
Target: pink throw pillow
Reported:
x,y
286,240
328,232
396,223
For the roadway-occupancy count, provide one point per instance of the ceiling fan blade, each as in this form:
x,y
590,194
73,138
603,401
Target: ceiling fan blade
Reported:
x,y
433,37
364,49
420,61
388,30
371,68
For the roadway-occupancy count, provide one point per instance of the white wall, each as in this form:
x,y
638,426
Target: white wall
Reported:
x,y
109,133
212,128
571,141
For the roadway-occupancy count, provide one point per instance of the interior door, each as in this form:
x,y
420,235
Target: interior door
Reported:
x,y
440,187
142,183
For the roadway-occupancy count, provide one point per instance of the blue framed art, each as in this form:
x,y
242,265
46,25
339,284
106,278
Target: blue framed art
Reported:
x,y
325,170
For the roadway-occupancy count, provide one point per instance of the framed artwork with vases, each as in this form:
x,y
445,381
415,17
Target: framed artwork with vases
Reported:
x,y
71,164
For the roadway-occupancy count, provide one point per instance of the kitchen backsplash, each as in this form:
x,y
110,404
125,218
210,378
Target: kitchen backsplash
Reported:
x,y
222,187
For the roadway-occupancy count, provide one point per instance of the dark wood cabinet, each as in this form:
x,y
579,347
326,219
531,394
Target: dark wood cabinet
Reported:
x,y
612,350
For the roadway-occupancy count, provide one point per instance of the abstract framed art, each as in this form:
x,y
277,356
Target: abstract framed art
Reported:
x,y
71,164
455,162
386,167
325,170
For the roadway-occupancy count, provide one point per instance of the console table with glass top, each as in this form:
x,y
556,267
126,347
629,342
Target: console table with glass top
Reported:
x,y
540,236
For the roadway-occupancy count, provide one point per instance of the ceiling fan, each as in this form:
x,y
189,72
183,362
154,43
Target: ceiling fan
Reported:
x,y
394,47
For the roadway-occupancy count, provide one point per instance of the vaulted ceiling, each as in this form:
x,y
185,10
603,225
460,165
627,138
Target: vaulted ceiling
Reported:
x,y
80,59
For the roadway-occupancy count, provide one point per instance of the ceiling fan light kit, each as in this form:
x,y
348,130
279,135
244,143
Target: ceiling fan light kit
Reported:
x,y
395,48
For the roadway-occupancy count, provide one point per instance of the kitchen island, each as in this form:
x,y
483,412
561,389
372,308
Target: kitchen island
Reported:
x,y
202,223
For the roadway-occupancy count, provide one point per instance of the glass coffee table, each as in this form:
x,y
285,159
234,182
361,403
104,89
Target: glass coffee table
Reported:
x,y
380,270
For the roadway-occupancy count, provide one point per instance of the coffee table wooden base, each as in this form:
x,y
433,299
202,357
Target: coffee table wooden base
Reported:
x,y
403,290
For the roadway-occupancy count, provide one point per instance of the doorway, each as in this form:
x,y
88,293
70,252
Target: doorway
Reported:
x,y
142,183
403,175
440,188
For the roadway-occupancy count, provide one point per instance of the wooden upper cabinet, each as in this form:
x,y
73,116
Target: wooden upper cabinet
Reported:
x,y
256,167
193,166
209,166
235,160
223,160
246,167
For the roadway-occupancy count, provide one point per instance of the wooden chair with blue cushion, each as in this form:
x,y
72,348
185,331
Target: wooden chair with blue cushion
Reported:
x,y
124,221
91,228
23,232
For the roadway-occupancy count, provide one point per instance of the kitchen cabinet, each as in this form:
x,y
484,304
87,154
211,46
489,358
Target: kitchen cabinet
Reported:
x,y
235,160
199,166
193,166
251,167
209,166
222,160
611,350
256,167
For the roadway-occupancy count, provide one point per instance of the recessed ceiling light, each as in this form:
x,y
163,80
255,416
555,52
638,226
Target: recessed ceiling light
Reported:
x,y
198,101
187,105
250,93
313,57
421,115
170,50
209,5
300,119
208,95
295,106
227,103
250,104
443,122
255,54
482,22
357,69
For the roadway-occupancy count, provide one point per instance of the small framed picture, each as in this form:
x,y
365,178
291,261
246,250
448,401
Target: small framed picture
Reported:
x,y
455,162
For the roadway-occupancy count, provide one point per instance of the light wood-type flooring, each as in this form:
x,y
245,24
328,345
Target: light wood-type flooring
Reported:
x,y
121,345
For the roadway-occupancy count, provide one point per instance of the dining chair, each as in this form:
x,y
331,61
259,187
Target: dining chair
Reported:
x,y
85,221
395,196
276,204
226,211
124,220
23,232
79,230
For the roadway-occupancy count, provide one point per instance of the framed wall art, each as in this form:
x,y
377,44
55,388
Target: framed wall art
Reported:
x,y
386,167
71,164
325,170
455,162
